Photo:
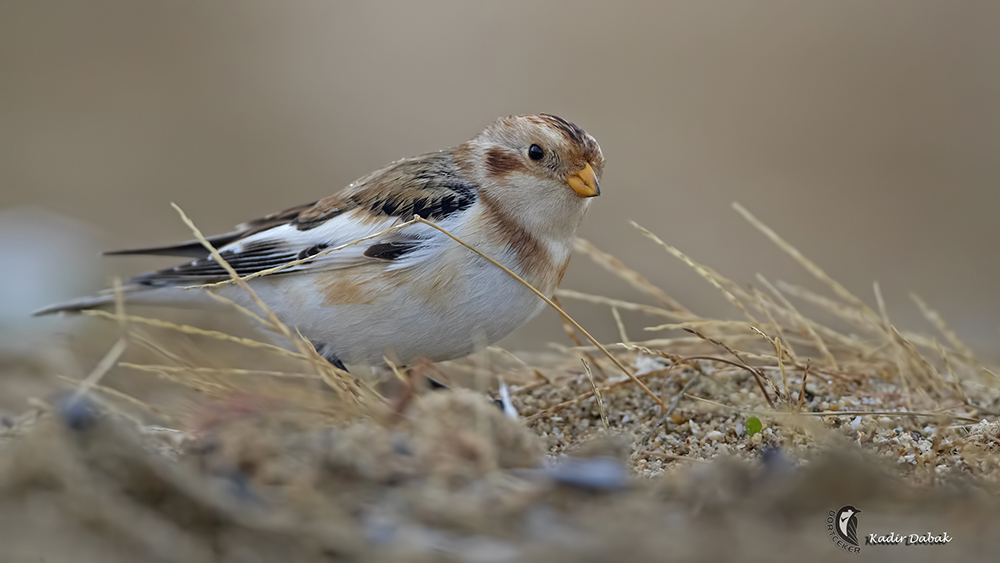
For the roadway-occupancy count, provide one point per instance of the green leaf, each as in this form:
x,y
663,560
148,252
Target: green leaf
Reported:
x,y
753,425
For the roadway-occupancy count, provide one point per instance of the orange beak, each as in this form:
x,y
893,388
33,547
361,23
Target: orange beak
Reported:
x,y
584,182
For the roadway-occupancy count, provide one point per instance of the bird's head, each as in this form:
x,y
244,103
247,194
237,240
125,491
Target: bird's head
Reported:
x,y
539,163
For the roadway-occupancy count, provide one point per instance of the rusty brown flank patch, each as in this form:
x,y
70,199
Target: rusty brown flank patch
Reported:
x,y
340,288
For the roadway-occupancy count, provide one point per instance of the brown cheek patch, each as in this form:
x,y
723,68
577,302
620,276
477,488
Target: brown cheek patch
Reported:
x,y
500,163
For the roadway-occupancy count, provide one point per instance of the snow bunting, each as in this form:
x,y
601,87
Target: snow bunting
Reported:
x,y
517,192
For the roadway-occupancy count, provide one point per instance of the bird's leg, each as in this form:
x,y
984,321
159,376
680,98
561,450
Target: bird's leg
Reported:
x,y
410,378
328,355
420,369
424,365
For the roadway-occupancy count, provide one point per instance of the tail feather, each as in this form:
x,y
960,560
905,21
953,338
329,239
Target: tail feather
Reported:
x,y
135,294
189,249
79,304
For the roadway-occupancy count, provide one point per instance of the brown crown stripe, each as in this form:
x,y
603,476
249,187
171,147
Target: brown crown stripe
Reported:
x,y
588,148
570,130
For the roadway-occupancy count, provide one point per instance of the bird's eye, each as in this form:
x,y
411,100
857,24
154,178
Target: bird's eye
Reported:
x,y
535,152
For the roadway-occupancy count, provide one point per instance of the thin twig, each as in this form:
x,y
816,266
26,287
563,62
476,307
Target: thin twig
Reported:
x,y
758,374
571,333
597,394
802,391
922,414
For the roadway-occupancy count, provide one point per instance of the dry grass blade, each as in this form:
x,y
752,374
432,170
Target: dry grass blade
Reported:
x,y
808,264
768,307
635,279
241,309
957,384
540,377
597,395
218,371
571,333
741,326
677,398
719,282
584,396
883,311
669,342
802,391
955,380
663,455
757,373
619,304
935,319
911,361
141,339
837,309
118,395
102,368
900,357
552,304
920,414
779,352
187,329
109,359
925,368
831,306
801,321
621,326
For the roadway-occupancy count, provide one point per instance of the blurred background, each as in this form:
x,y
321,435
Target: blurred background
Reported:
x,y
866,133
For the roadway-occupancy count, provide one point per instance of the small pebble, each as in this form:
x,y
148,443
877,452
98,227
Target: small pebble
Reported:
x,y
78,412
601,472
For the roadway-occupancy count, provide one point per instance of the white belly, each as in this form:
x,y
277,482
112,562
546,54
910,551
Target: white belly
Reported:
x,y
365,314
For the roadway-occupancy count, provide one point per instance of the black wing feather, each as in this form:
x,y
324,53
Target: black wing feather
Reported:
x,y
251,259
189,249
